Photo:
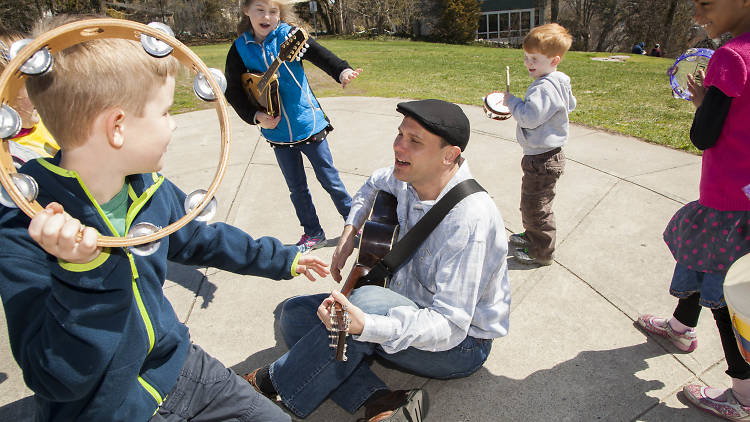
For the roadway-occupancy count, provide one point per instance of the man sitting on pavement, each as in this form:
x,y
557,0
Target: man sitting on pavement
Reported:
x,y
443,306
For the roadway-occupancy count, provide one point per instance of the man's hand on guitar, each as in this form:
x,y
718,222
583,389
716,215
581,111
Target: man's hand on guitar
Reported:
x,y
344,248
348,75
306,264
357,323
266,121
64,236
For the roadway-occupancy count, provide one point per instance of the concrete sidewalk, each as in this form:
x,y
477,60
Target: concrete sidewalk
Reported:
x,y
572,352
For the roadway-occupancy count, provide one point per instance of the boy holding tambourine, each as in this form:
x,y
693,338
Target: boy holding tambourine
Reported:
x,y
542,131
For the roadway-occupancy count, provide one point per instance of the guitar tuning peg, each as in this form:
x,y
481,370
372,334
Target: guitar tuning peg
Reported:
x,y
307,45
304,50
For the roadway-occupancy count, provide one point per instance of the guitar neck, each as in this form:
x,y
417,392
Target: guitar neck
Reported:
x,y
268,74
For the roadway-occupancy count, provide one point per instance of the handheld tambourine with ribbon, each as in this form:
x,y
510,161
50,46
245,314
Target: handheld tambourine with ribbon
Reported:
x,y
493,102
31,57
691,62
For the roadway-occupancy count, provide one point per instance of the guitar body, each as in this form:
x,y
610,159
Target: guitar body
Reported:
x,y
379,234
266,99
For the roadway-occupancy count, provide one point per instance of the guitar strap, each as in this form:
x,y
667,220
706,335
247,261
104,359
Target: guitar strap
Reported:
x,y
405,247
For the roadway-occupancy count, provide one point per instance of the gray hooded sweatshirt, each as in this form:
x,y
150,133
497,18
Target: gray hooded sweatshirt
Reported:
x,y
543,116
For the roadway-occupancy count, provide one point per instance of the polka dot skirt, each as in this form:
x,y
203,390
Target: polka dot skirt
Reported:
x,y
708,240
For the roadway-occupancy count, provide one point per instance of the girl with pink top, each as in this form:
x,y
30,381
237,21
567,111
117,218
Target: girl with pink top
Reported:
x,y
706,236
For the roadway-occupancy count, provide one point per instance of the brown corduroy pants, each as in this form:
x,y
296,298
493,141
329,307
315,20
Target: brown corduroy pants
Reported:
x,y
540,174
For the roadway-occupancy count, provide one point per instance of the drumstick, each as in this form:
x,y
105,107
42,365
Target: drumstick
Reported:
x,y
507,78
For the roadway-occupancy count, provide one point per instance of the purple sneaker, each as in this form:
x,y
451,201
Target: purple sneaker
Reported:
x,y
724,406
687,341
307,243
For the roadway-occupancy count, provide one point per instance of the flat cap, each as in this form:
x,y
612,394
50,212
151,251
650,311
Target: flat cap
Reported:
x,y
442,118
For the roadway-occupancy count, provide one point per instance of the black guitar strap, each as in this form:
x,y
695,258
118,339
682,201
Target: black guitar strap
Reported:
x,y
405,247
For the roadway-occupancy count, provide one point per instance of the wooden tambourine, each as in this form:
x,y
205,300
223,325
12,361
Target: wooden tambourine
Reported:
x,y
35,56
494,108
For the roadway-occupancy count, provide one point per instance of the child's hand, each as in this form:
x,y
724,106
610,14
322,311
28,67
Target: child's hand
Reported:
x,y
63,236
696,89
307,264
348,75
266,121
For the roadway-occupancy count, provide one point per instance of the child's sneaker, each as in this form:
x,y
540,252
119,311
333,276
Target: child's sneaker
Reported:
x,y
518,240
687,341
724,406
307,243
522,256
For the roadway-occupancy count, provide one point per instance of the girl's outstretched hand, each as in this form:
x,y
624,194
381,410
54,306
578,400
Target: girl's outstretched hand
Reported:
x,y
63,236
307,264
266,121
348,75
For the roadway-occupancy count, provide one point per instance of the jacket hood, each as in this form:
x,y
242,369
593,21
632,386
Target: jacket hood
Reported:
x,y
561,83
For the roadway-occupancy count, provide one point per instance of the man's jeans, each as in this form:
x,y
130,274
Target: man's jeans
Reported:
x,y
292,167
309,373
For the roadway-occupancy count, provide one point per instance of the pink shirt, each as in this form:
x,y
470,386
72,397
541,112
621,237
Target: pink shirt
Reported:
x,y
726,165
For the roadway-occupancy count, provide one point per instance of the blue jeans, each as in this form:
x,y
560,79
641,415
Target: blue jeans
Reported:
x,y
308,373
290,162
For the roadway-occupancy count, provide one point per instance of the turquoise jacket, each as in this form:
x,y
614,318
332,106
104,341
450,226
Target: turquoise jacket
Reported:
x,y
301,114
100,341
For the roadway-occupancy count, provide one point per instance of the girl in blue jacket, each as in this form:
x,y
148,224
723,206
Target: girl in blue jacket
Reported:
x,y
301,126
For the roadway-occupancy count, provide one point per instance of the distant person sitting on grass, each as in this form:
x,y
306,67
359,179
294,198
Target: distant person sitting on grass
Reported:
x,y
638,48
542,131
656,51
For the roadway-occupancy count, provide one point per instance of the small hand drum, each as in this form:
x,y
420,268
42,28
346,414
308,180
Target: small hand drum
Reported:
x,y
737,296
35,57
494,108
691,62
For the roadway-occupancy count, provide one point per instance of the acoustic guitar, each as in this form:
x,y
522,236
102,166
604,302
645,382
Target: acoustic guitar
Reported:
x,y
262,89
378,236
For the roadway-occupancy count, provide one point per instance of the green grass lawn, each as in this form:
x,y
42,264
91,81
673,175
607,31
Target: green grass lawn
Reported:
x,y
631,98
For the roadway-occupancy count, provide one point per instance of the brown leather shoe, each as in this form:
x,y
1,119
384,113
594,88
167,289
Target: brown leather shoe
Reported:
x,y
398,406
251,379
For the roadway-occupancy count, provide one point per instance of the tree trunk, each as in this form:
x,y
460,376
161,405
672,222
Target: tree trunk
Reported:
x,y
554,10
668,21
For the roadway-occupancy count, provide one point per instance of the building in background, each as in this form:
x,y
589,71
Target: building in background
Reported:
x,y
508,21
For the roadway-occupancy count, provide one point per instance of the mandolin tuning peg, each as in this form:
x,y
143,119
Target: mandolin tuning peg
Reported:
x,y
307,45
304,50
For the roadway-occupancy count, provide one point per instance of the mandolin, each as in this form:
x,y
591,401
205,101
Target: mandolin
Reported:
x,y
378,236
262,89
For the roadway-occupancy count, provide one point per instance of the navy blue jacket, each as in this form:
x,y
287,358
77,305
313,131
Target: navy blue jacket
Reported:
x,y
99,341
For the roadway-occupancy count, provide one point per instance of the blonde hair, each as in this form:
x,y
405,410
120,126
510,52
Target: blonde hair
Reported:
x,y
550,39
91,77
286,10
7,38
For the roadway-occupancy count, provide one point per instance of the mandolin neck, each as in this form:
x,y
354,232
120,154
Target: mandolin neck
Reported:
x,y
263,83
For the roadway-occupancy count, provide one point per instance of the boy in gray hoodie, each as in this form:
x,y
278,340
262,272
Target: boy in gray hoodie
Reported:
x,y
542,131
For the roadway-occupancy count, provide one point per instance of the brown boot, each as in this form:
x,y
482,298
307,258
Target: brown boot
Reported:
x,y
251,379
398,406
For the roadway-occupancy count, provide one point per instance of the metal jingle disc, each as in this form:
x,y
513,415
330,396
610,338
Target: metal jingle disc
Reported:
x,y
195,198
144,229
154,46
37,64
26,185
202,88
10,122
